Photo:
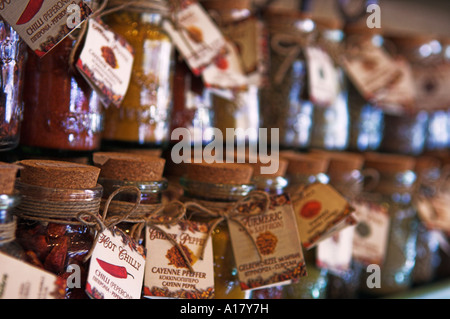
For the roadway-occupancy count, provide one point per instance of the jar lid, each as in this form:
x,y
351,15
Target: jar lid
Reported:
x,y
219,173
58,174
226,5
425,163
127,166
328,23
389,163
8,173
257,161
340,162
304,164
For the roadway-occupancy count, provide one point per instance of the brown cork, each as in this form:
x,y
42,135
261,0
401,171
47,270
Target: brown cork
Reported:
x,y
389,163
340,162
129,167
8,173
258,161
426,163
147,152
328,23
304,164
221,5
58,174
219,173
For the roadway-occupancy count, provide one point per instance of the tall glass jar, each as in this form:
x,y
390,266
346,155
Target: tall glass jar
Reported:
x,y
304,170
141,171
143,119
366,118
284,101
213,186
53,193
13,58
8,243
331,123
62,113
395,192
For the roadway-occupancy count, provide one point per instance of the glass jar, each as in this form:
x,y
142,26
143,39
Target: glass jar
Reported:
x,y
330,129
62,113
395,192
48,227
224,193
284,103
304,170
428,173
13,58
366,118
144,115
8,243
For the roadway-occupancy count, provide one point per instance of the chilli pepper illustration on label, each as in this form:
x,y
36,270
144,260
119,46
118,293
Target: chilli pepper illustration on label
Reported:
x,y
114,270
30,11
310,209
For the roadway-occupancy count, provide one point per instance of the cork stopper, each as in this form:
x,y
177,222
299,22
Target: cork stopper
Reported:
x,y
8,173
58,174
328,23
389,163
425,163
304,164
340,162
147,152
258,161
219,173
220,5
129,167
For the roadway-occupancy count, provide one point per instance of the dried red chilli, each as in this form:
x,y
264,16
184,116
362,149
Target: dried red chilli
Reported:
x,y
30,11
114,270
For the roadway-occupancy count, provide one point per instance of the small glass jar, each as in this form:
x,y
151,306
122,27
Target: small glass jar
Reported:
x,y
284,103
13,58
331,123
48,227
62,113
395,192
304,170
144,115
366,118
8,243
224,194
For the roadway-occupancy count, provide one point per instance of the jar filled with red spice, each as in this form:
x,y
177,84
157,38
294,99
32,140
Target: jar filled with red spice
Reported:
x,y
53,194
217,186
62,113
13,58
141,171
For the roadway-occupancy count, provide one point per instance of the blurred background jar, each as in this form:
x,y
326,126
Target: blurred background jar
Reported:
x,y
394,191
13,58
62,113
143,119
284,97
331,123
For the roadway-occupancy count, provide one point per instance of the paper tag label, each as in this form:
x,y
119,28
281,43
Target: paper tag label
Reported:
x,y
19,280
43,24
322,77
371,69
106,62
116,270
166,272
321,212
196,36
371,233
335,252
276,236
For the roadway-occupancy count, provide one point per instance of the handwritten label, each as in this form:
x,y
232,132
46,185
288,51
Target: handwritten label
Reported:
x,y
275,235
116,270
19,280
167,274
43,24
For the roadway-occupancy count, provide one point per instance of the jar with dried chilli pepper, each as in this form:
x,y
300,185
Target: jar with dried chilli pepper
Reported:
x,y
141,171
346,176
284,100
8,222
13,59
331,123
303,170
143,119
217,186
366,118
62,113
53,193
395,191
429,174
